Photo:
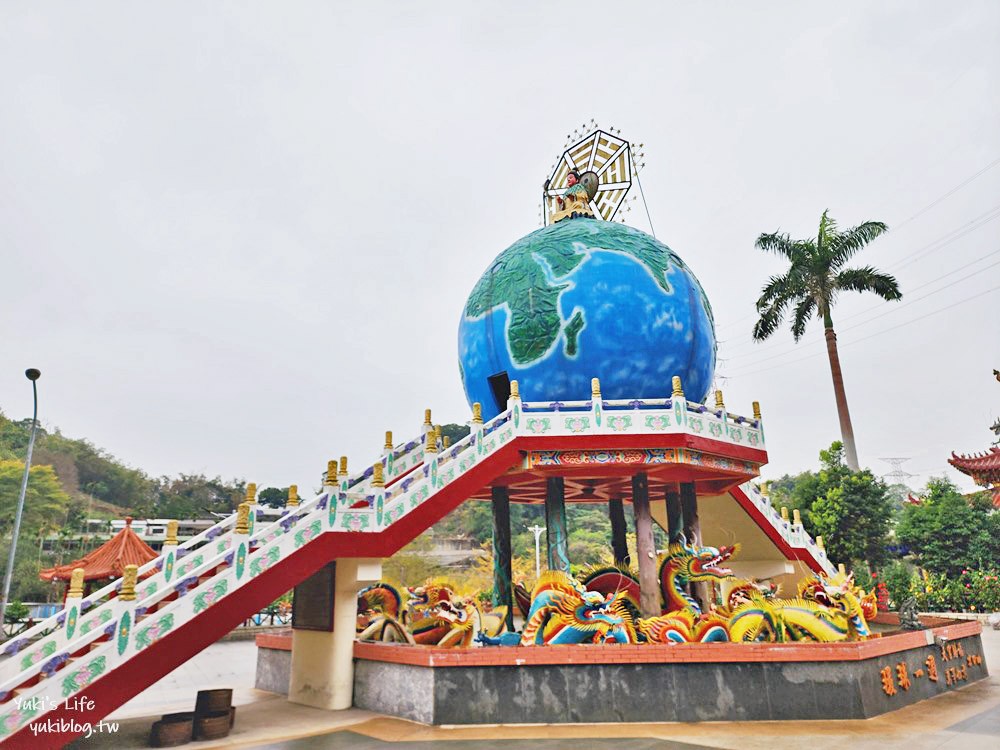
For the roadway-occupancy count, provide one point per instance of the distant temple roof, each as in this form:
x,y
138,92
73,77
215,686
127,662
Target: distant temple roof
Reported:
x,y
984,469
108,560
983,464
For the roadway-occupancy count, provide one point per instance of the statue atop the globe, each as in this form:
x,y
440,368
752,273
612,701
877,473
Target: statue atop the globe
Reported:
x,y
586,298
575,202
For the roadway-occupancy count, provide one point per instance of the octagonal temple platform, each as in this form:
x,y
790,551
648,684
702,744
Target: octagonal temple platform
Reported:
x,y
655,683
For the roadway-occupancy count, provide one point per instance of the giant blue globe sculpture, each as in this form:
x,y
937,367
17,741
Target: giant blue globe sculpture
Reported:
x,y
579,299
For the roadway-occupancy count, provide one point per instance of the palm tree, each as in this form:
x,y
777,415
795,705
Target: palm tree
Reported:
x,y
810,286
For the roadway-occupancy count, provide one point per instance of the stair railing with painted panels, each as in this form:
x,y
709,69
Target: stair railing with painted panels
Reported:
x,y
40,646
223,567
55,625
793,532
397,461
237,559
49,653
643,416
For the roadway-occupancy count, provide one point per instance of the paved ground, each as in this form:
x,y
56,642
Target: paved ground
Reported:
x,y
967,719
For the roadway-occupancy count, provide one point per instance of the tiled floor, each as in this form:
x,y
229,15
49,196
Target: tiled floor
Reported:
x,y
348,740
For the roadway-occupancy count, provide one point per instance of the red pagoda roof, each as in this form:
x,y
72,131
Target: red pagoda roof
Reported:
x,y
985,463
108,560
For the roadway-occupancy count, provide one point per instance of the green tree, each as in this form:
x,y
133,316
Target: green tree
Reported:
x,y
851,510
947,533
273,497
195,495
815,276
45,502
454,432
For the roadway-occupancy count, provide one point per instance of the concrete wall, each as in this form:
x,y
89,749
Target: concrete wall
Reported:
x,y
273,669
674,691
396,689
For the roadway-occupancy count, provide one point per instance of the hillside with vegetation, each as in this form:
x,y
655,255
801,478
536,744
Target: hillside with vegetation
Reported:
x,y
72,480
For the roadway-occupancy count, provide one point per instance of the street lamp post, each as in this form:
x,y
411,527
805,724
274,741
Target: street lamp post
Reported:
x,y
31,374
537,530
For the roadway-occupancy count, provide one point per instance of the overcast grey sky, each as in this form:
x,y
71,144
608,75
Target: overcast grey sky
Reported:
x,y
237,237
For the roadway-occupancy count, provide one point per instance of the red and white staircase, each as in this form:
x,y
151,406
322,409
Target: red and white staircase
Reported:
x,y
81,664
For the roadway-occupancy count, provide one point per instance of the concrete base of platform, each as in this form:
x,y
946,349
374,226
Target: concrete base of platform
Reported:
x,y
661,683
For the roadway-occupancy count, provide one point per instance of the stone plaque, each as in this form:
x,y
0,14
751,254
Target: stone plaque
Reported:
x,y
312,600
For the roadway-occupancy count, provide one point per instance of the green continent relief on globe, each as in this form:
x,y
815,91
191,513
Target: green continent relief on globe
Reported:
x,y
585,298
526,279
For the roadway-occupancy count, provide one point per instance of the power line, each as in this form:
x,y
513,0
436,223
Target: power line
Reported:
x,y
922,211
968,227
995,211
865,338
887,311
951,192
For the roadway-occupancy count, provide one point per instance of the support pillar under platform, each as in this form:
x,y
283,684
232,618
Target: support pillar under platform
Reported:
x,y
649,587
692,532
619,543
322,672
556,537
503,587
675,516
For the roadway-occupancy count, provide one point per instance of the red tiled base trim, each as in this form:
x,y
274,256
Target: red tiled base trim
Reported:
x,y
428,656
280,641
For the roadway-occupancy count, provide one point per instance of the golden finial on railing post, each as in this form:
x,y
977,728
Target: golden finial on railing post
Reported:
x,y
756,409
388,440
445,441
719,403
678,390
595,388
171,533
515,389
251,493
331,473
784,513
293,496
75,584
477,413
343,467
842,569
796,516
378,477
432,438
127,594
427,418
819,543
243,519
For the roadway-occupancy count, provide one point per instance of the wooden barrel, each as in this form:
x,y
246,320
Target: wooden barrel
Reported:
x,y
172,730
213,701
214,725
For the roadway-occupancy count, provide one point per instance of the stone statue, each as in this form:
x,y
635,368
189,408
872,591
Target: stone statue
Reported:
x,y
575,202
908,619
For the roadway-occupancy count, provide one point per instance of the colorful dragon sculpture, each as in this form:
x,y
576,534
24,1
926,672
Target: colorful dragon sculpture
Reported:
x,y
683,564
378,612
433,616
833,612
682,620
563,611
604,608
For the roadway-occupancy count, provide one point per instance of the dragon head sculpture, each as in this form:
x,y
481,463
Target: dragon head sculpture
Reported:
x,y
377,600
745,592
563,611
683,563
